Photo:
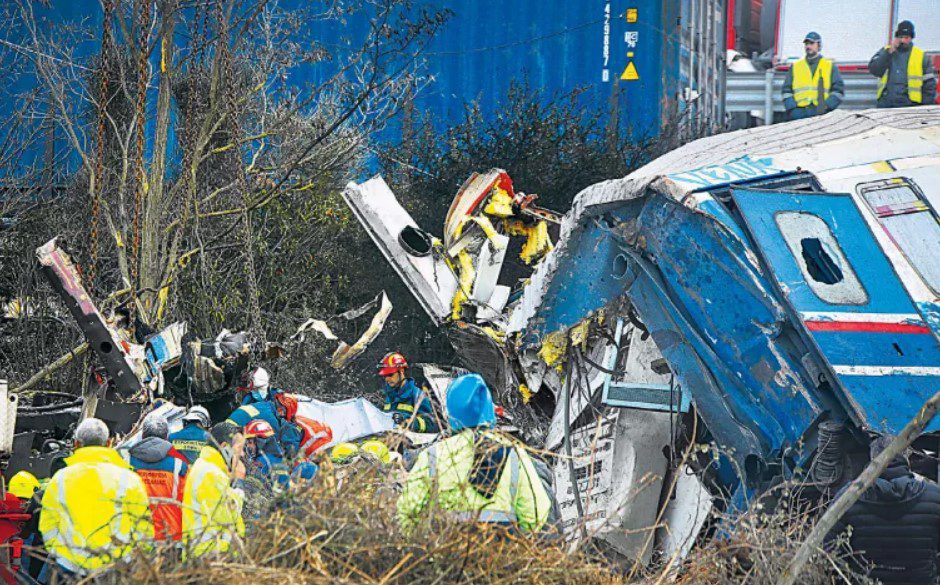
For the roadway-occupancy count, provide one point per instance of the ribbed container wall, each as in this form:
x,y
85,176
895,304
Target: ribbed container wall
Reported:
x,y
643,65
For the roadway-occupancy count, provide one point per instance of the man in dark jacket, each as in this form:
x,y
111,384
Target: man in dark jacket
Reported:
x,y
895,525
906,72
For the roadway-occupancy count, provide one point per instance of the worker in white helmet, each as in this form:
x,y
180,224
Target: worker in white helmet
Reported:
x,y
258,401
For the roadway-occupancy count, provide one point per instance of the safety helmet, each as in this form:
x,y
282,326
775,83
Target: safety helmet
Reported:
x,y
258,429
391,363
23,484
343,452
198,414
377,449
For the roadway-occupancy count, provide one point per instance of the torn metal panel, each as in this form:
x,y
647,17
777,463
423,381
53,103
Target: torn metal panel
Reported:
x,y
112,352
428,277
346,352
684,517
8,404
848,303
619,470
636,384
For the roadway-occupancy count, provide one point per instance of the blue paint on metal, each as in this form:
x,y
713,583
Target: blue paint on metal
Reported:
x,y
740,169
553,46
930,311
888,398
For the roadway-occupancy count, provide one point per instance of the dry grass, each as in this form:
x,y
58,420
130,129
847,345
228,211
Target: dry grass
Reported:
x,y
757,546
343,530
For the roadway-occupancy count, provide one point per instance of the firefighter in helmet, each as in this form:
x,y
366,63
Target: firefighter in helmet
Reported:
x,y
407,403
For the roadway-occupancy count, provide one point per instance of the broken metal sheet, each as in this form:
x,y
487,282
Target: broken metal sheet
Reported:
x,y
636,384
348,419
468,199
347,352
849,303
439,380
8,403
684,517
488,265
111,351
619,469
492,310
428,277
164,349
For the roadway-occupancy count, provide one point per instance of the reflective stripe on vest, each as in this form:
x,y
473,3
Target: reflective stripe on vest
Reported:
x,y
484,515
915,76
177,472
75,542
806,85
202,518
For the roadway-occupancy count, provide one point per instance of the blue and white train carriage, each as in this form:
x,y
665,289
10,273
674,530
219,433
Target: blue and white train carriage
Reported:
x,y
790,275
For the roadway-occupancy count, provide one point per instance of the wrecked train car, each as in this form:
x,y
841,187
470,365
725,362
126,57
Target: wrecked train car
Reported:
x,y
781,282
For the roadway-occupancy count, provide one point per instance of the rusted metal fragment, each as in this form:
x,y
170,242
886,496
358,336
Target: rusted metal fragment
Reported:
x,y
63,275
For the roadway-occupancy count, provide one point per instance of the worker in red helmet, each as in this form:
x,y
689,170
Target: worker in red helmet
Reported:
x,y
408,404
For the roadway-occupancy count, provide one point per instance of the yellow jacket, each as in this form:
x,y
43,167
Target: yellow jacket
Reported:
x,y
212,508
519,498
94,510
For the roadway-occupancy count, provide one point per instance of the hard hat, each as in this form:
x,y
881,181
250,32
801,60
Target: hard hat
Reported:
x,y
343,452
258,429
377,449
391,363
198,414
23,484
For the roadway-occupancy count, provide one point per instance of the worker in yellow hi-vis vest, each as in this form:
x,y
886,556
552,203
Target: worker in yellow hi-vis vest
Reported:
x,y
906,74
813,85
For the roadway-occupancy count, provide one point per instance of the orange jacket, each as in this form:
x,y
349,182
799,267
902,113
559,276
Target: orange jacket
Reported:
x,y
163,470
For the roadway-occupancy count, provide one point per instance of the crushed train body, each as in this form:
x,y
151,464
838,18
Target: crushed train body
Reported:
x,y
782,283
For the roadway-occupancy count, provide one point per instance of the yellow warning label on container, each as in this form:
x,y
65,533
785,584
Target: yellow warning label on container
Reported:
x,y
632,14
630,73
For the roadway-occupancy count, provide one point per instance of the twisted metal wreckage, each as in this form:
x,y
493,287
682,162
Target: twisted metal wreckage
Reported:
x,y
773,293
140,370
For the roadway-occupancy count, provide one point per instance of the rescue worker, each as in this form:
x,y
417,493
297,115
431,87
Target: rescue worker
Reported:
x,y
813,85
94,510
258,402
407,403
906,72
194,435
266,461
895,525
264,458
163,470
300,437
213,496
477,474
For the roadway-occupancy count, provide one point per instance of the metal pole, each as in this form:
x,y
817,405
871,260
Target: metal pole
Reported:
x,y
769,96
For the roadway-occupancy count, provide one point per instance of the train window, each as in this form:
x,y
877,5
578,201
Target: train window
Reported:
x,y
904,213
820,258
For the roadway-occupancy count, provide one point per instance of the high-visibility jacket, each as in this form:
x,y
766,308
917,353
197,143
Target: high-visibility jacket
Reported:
x,y
163,470
405,399
806,84
442,473
189,441
212,508
915,76
94,511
